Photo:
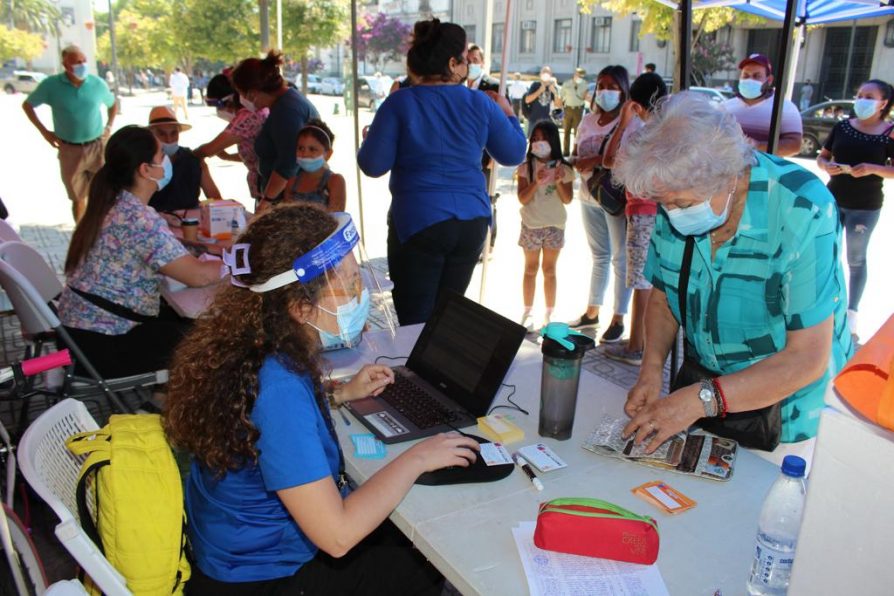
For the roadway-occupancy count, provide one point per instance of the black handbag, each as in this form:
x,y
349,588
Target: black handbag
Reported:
x,y
757,429
611,197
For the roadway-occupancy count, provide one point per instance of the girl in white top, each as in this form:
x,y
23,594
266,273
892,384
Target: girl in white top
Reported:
x,y
544,188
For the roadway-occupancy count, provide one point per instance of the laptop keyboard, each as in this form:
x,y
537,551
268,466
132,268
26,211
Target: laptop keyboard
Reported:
x,y
415,404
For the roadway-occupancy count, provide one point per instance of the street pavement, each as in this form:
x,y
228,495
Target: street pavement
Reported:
x,y
33,192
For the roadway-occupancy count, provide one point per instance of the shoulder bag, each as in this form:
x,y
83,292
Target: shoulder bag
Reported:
x,y
610,196
757,429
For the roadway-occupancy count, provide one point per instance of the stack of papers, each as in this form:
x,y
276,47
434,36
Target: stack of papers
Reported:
x,y
559,574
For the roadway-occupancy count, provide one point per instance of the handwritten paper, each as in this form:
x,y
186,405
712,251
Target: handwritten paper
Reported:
x,y
558,574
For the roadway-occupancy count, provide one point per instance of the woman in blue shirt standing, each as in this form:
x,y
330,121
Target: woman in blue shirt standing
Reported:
x,y
430,137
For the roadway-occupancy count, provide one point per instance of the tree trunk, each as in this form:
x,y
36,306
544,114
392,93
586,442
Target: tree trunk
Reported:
x,y
304,74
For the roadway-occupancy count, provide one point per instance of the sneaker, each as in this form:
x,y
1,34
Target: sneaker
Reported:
x,y
613,333
527,321
621,353
583,322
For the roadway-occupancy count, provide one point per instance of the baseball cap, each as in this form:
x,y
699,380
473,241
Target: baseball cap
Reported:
x,y
759,59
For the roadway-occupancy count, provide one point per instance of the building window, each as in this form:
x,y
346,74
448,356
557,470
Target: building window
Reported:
x,y
527,41
635,27
496,43
601,35
470,33
562,36
889,34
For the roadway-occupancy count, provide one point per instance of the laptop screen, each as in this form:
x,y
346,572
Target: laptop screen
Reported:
x,y
465,350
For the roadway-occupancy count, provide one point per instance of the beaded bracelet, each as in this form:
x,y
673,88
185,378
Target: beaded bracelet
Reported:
x,y
724,407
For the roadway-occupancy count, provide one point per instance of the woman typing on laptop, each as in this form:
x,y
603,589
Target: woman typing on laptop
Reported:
x,y
269,510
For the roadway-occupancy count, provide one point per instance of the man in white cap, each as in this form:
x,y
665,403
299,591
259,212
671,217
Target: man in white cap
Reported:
x,y
190,174
76,99
753,108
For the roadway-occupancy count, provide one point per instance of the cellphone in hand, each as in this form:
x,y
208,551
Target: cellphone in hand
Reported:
x,y
845,169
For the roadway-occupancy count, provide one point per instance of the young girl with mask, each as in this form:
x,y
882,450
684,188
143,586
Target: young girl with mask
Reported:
x,y
856,154
606,234
544,188
243,127
111,304
269,509
315,182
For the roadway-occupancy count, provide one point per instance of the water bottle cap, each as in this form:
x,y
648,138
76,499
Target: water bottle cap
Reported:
x,y
794,466
573,342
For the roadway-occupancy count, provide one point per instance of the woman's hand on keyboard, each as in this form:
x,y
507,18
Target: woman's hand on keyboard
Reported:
x,y
444,450
369,380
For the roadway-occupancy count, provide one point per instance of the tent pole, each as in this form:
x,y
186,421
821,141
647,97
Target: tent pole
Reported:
x,y
785,44
355,86
685,49
492,179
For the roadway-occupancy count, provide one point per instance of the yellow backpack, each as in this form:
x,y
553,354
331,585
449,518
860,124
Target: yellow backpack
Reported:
x,y
137,516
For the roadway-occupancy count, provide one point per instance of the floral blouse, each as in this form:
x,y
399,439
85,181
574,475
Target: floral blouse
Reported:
x,y
246,125
122,266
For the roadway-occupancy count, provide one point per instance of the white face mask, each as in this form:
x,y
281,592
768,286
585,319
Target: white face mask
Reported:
x,y
225,115
541,149
546,77
247,104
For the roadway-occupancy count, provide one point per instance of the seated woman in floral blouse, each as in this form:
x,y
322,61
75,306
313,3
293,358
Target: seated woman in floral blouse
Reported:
x,y
111,304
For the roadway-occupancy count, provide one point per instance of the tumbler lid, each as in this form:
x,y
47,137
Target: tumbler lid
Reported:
x,y
560,341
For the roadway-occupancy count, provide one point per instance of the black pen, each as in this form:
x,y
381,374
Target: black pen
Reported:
x,y
344,416
523,464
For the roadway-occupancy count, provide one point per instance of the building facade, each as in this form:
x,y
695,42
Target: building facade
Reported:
x,y
77,27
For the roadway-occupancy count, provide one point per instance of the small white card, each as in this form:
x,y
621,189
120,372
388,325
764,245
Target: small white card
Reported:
x,y
495,454
542,457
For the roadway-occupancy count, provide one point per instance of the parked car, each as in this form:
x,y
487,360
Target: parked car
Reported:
x,y
313,83
714,95
22,81
368,90
332,86
818,121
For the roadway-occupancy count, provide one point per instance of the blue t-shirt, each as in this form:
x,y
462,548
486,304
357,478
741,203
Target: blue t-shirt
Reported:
x,y
431,137
238,527
276,143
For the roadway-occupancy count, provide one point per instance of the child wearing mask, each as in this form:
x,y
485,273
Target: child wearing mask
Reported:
x,y
544,188
243,126
315,182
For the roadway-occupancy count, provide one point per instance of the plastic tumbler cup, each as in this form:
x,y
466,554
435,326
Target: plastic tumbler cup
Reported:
x,y
563,351
190,229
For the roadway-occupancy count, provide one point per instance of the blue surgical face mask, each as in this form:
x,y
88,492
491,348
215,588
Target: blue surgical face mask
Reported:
x,y
865,108
475,71
351,319
311,164
751,88
608,99
698,219
170,148
80,71
168,173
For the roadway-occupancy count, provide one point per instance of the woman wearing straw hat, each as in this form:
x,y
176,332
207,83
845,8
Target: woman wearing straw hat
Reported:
x,y
190,172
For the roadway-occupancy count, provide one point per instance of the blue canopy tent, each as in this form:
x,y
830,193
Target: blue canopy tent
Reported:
x,y
794,14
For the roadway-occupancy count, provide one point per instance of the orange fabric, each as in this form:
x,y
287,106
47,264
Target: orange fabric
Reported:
x,y
867,382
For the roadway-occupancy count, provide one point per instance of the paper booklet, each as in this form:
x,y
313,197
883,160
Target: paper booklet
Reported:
x,y
696,453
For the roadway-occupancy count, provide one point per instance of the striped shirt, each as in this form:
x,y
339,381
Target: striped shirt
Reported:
x,y
781,272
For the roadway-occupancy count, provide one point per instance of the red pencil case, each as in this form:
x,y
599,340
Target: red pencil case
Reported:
x,y
596,528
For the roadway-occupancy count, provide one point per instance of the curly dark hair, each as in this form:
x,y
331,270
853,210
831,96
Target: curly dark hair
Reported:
x,y
214,377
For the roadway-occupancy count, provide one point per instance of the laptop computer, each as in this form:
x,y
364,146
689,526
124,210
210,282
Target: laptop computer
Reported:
x,y
451,376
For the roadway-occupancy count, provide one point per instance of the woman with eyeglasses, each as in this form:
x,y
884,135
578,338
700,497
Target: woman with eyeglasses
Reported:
x,y
243,127
430,137
111,304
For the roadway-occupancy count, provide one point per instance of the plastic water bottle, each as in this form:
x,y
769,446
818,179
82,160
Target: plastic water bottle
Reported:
x,y
777,532
234,229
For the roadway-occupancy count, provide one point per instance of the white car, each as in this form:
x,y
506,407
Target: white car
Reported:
x,y
313,83
22,81
715,95
332,86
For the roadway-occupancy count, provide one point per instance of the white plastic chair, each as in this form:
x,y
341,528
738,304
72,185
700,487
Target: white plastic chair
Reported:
x,y
52,471
8,233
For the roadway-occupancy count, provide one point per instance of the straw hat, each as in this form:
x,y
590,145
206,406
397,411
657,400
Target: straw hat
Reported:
x,y
164,115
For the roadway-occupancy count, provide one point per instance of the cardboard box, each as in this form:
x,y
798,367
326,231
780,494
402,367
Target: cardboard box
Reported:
x,y
217,216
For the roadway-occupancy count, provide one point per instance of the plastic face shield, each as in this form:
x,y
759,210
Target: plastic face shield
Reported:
x,y
352,295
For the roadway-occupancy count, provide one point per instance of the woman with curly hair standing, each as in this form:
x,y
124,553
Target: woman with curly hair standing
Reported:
x,y
268,507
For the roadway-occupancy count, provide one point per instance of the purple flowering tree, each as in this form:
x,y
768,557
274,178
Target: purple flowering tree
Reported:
x,y
381,38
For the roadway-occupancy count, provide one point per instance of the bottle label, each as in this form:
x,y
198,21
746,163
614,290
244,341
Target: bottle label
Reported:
x,y
772,567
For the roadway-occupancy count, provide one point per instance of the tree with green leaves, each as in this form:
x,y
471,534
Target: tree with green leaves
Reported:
x,y
312,23
15,43
663,22
33,16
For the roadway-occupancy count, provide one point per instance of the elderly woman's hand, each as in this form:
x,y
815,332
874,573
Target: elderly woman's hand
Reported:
x,y
660,419
646,390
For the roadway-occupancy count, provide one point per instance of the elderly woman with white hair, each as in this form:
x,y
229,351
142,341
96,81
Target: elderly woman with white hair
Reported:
x,y
763,308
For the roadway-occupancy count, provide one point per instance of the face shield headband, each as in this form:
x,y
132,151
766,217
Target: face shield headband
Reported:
x,y
307,267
